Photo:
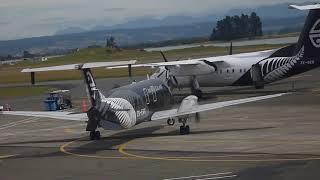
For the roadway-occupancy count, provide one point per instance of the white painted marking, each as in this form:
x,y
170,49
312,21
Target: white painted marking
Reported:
x,y
28,120
205,175
221,177
15,122
47,129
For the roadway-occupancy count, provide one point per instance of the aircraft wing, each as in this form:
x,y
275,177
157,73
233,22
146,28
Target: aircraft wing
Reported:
x,y
54,115
171,63
206,107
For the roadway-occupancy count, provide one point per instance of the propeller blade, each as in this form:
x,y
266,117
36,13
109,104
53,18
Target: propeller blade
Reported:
x,y
175,80
164,57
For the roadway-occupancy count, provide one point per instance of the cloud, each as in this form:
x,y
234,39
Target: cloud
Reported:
x,y
114,9
51,15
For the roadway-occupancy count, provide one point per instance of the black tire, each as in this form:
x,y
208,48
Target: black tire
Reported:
x,y
187,129
92,135
97,135
170,122
198,93
182,130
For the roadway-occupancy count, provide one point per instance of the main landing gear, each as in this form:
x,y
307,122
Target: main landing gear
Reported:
x,y
184,129
195,87
95,135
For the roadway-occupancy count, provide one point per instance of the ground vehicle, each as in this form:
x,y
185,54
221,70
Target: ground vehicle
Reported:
x,y
58,100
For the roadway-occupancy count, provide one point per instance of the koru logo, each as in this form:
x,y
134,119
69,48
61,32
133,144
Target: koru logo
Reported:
x,y
314,34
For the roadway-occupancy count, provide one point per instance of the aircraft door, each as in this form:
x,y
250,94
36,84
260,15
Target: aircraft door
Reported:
x,y
256,76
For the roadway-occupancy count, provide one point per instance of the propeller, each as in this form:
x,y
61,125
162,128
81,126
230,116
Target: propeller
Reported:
x,y
168,71
164,57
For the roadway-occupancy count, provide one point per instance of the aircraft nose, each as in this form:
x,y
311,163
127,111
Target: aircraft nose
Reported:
x,y
121,111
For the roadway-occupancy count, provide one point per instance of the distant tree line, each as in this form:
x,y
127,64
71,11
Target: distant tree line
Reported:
x,y
236,27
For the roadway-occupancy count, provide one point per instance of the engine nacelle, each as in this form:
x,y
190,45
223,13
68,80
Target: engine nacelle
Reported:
x,y
187,103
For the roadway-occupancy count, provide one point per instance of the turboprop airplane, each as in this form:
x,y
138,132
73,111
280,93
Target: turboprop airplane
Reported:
x,y
130,105
247,69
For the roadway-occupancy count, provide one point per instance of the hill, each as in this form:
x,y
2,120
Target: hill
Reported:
x,y
275,19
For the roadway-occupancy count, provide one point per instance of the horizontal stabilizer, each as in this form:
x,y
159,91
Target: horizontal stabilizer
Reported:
x,y
80,66
54,115
306,7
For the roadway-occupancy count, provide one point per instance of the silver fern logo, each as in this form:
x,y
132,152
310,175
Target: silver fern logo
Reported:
x,y
314,34
276,68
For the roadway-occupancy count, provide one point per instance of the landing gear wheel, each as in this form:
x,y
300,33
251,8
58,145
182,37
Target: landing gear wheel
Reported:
x,y
98,135
198,93
95,135
184,130
170,122
187,129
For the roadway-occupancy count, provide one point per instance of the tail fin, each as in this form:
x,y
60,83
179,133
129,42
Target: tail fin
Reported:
x,y
310,35
91,85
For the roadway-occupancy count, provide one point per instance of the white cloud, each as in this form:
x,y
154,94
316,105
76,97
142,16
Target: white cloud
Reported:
x,y
25,18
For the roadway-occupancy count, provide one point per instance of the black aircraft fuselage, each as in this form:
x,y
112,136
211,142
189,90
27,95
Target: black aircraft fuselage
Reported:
x,y
130,105
146,97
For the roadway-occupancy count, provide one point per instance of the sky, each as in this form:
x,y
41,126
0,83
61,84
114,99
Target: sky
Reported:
x,y
33,18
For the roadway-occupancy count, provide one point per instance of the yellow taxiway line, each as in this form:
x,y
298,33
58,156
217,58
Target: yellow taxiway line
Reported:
x,y
123,146
63,150
128,155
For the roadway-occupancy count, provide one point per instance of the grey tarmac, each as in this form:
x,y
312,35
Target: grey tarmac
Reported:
x,y
271,139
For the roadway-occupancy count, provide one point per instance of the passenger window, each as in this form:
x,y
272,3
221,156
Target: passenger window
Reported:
x,y
232,70
154,94
227,70
240,70
220,71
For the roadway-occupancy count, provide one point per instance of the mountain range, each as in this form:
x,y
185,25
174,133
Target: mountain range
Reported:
x,y
151,30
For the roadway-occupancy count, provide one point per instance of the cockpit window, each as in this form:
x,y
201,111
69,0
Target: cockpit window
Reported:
x,y
146,95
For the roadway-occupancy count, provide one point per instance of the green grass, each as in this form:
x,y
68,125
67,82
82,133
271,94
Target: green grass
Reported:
x,y
12,74
14,92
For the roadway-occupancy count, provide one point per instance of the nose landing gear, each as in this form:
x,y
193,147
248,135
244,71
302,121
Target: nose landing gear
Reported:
x,y
170,122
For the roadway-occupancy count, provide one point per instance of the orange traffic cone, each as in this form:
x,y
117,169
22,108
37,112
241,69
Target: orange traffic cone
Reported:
x,y
84,106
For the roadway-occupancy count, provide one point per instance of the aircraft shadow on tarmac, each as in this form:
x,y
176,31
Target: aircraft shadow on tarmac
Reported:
x,y
108,143
213,94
